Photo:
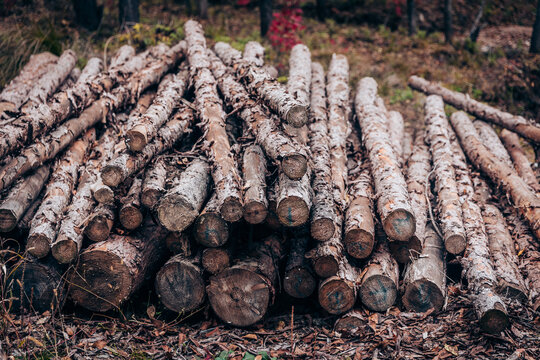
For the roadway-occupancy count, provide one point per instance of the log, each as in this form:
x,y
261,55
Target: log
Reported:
x,y
272,219
522,196
326,256
391,189
130,214
379,280
227,181
16,92
519,158
424,280
241,294
179,243
323,212
100,223
58,193
71,79
299,281
210,229
180,284
109,272
449,209
254,191
337,294
153,186
294,200
169,94
517,124
254,53
491,140
353,323
20,197
407,146
215,260
180,206
396,131
261,84
291,156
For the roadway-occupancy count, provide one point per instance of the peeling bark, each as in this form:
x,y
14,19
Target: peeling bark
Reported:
x,y
130,214
210,229
298,280
254,171
519,158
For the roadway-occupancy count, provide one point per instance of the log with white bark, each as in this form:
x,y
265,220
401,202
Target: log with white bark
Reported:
x,y
254,191
100,222
518,124
491,140
254,53
396,131
210,229
130,212
153,186
294,199
299,280
338,293
391,189
519,158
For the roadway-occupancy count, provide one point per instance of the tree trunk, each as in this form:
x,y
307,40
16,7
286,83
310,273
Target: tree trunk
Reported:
x,y
202,8
425,278
523,198
535,38
298,280
411,17
260,83
520,160
266,12
477,25
181,205
21,196
518,124
210,229
58,195
109,272
393,200
290,155
130,214
212,117
215,260
298,85
254,53
321,10
180,284
294,199
169,94
71,79
153,186
88,13
241,294
450,217
323,214
448,32
128,12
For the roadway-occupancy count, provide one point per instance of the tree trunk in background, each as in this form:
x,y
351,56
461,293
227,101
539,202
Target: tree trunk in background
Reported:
x,y
202,9
448,20
535,39
128,11
88,13
411,17
477,25
321,9
266,15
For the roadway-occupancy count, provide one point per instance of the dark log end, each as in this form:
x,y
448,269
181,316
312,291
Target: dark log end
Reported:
x,y
104,195
351,325
178,243
294,166
293,211
494,321
130,217
180,286
98,228
38,245
239,297
211,230
255,212
322,229
325,266
359,243
510,291
215,260
150,198
232,210
135,140
422,295
455,244
175,213
111,175
272,220
65,251
8,220
297,116
399,225
299,283
405,251
378,293
336,295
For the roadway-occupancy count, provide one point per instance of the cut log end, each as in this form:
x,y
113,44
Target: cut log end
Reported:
x,y
211,230
336,295
405,251
455,244
175,213
215,260
150,198
294,166
38,245
130,217
299,283
422,295
322,229
231,210
494,321
8,220
65,251
98,228
136,139
511,291
378,293
325,266
255,212
350,325
104,195
239,297
180,286
359,243
293,211
399,225
111,176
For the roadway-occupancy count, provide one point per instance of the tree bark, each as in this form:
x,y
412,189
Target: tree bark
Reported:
x,y
254,171
411,17
535,38
522,196
450,216
323,213
298,280
153,186
425,278
58,195
210,229
290,155
241,294
266,14
169,94
518,124
448,31
260,83
212,117
88,13
128,12
294,199
298,85
492,142
520,161
393,199
130,213
407,146
109,272
180,284
21,196
71,79
254,53
396,131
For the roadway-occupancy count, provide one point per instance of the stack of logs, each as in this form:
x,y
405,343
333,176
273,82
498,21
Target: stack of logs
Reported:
x,y
196,168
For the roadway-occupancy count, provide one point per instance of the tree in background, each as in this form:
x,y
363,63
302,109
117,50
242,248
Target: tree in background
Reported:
x,y
88,13
535,39
202,9
266,15
128,12
321,9
448,21
411,17
477,24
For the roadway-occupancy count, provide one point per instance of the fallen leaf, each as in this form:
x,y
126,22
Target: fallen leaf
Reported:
x,y
99,344
250,337
451,349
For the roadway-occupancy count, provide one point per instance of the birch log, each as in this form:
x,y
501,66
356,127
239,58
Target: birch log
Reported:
x,y
519,158
294,199
153,186
254,53
130,212
254,191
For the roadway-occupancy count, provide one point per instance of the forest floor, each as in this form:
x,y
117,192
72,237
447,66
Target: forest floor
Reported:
x,y
497,70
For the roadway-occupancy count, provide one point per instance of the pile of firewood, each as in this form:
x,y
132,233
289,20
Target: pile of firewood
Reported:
x,y
196,169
